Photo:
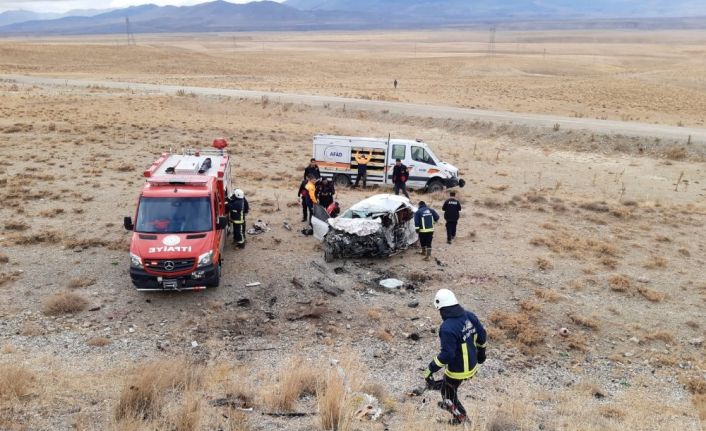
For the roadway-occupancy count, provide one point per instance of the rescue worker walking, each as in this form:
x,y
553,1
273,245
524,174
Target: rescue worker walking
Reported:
x,y
312,169
326,192
424,220
400,175
452,210
463,343
362,161
237,207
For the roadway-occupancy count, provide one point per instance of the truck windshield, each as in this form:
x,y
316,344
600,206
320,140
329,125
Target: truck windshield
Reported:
x,y
174,215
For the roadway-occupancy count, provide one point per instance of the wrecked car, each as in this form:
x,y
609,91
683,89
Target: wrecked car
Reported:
x,y
381,225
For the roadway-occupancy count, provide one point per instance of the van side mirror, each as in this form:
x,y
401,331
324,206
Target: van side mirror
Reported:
x,y
222,223
127,223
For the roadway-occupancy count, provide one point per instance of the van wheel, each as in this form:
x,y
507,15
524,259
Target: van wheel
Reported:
x,y
217,279
435,186
341,180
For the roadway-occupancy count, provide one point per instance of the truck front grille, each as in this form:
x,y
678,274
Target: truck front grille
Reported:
x,y
169,265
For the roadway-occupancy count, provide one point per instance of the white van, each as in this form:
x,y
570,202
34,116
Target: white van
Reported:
x,y
335,156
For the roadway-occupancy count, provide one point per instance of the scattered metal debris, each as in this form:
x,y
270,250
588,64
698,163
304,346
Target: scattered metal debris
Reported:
x,y
391,283
258,228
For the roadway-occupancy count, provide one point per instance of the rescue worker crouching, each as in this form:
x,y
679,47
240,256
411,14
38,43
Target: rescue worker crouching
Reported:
x,y
237,208
326,192
463,343
424,220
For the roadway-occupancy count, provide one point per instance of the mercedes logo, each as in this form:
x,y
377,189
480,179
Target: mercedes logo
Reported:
x,y
169,265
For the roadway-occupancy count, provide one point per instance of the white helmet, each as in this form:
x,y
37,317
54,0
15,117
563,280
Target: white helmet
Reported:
x,y
444,298
239,194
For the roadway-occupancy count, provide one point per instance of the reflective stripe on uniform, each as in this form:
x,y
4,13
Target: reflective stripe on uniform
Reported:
x,y
464,351
462,375
475,342
241,231
467,372
424,228
439,363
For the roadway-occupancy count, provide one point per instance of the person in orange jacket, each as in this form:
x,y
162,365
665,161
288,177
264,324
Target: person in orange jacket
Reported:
x,y
310,195
362,161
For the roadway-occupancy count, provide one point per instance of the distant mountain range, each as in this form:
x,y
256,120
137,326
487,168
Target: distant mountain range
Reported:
x,y
14,16
356,14
485,9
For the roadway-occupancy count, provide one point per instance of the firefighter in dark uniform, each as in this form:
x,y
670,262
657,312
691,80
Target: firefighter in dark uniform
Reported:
x,y
424,220
312,169
452,210
400,175
237,209
463,343
326,192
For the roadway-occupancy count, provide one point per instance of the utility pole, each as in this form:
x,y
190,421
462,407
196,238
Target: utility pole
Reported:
x,y
129,33
491,42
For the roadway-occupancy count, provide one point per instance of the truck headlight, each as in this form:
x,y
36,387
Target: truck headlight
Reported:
x,y
135,261
205,259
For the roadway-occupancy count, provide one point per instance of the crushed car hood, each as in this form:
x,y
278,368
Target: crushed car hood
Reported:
x,y
380,225
379,204
356,226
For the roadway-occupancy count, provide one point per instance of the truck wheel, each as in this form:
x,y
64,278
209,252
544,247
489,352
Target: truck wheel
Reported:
x,y
435,186
217,279
341,180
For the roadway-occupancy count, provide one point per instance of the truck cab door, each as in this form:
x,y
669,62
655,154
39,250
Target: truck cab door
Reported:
x,y
420,163
397,151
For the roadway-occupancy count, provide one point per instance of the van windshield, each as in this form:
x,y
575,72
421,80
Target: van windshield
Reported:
x,y
174,215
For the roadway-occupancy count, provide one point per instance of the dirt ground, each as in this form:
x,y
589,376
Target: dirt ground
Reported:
x,y
558,230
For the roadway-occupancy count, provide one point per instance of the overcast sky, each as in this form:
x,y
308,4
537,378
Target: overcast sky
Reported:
x,y
66,5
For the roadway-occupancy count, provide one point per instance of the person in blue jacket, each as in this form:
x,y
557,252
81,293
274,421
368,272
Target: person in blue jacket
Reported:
x,y
463,343
424,220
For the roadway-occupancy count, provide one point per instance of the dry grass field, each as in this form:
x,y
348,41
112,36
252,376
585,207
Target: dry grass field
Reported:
x,y
653,77
559,230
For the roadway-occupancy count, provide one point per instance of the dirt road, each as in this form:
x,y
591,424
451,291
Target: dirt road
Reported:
x,y
698,135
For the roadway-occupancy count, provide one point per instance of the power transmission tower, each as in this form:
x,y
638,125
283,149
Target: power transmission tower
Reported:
x,y
491,42
128,32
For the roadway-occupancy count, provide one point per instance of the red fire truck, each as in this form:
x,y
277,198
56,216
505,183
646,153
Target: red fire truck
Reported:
x,y
181,224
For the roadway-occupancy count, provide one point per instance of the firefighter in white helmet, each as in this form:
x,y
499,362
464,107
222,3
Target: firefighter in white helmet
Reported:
x,y
463,342
237,208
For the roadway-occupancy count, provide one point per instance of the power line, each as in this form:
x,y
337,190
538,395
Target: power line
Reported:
x,y
491,42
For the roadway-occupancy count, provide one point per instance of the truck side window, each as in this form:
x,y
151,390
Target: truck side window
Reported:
x,y
419,154
398,152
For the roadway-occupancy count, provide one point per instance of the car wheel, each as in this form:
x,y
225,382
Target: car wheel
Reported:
x,y
341,180
435,186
